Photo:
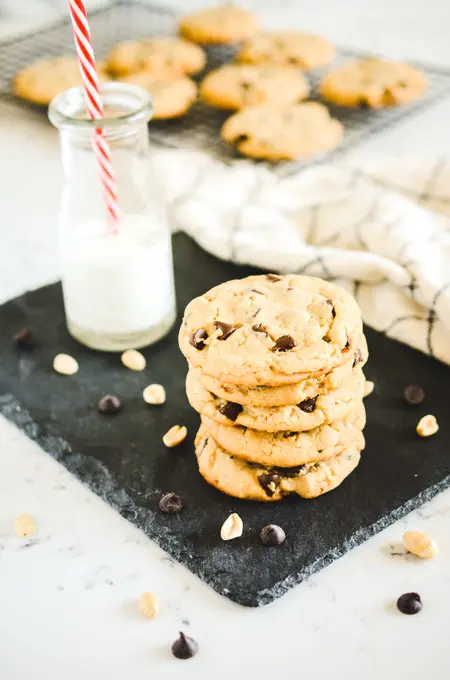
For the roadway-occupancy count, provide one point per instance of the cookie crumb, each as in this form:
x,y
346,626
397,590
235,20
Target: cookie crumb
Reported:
x,y
149,605
133,360
419,544
369,387
65,364
232,527
154,394
175,436
24,525
427,426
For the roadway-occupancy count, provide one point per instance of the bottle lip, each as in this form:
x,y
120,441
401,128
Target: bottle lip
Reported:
x,y
66,109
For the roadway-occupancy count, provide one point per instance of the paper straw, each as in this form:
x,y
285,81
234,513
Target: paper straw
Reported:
x,y
94,105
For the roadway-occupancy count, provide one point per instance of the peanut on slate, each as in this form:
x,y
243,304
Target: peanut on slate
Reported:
x,y
427,426
175,436
232,527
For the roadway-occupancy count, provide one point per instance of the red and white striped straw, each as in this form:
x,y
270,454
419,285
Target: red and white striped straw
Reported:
x,y
94,105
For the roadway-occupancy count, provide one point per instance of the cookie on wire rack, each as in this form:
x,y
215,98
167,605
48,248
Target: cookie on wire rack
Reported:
x,y
225,24
172,96
373,83
160,55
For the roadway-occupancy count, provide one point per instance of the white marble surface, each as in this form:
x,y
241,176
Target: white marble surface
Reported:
x,y
68,595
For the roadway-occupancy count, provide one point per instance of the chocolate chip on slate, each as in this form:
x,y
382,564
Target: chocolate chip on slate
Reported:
x,y
273,277
171,503
333,311
269,482
184,647
259,328
358,357
197,339
414,395
227,329
24,339
308,405
230,410
109,404
409,603
272,535
283,344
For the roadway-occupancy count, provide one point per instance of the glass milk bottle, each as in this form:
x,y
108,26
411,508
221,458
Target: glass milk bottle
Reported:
x,y
117,279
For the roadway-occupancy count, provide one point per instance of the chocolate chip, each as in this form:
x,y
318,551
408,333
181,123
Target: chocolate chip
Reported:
x,y
272,535
24,339
283,344
257,291
227,329
230,410
184,647
259,328
308,405
414,395
348,343
409,603
288,471
273,277
401,83
197,339
171,503
256,313
109,404
241,139
269,482
363,103
245,85
358,357
333,311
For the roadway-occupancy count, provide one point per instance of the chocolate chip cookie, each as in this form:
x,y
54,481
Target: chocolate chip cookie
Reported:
x,y
45,79
287,448
283,395
287,48
373,83
300,417
172,96
237,478
160,55
283,132
270,329
225,24
235,86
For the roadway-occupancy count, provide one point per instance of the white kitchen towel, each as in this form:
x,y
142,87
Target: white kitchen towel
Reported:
x,y
382,229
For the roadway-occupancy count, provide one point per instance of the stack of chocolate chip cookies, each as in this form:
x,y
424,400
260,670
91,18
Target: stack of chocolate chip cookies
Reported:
x,y
275,370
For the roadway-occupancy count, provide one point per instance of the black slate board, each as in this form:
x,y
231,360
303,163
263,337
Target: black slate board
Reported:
x,y
124,461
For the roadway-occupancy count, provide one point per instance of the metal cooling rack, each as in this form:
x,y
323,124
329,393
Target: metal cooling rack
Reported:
x,y
199,129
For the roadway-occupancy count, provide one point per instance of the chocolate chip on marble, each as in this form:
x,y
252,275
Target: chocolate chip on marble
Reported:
x,y
226,329
414,395
184,647
283,344
197,339
269,482
24,339
333,311
358,357
231,410
109,404
308,405
259,328
272,535
273,277
409,603
171,503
